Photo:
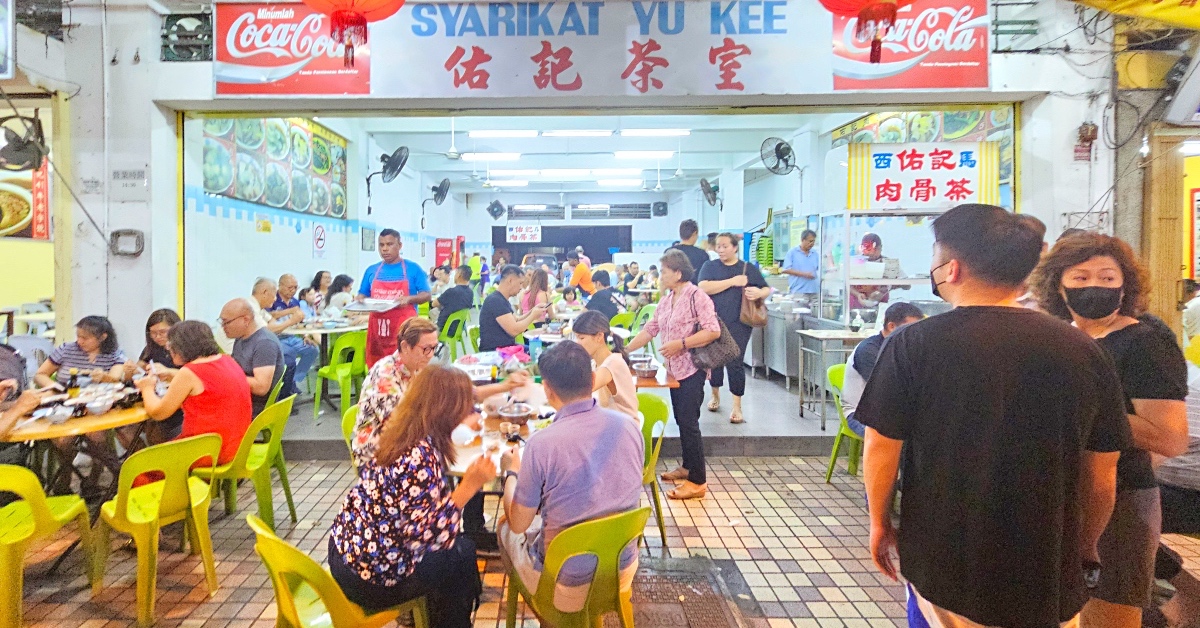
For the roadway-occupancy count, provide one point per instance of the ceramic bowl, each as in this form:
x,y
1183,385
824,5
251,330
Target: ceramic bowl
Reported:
x,y
100,406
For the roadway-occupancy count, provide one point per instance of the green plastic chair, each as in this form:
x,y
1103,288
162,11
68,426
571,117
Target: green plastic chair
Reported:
x,y
624,320
604,538
273,396
142,511
307,595
643,316
423,309
454,333
473,336
349,422
654,413
254,461
836,376
347,364
33,517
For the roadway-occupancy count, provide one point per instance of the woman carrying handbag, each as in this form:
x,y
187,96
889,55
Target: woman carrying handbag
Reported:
x,y
738,292
686,321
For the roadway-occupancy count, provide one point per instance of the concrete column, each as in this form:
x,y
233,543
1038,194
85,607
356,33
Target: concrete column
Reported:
x,y
733,186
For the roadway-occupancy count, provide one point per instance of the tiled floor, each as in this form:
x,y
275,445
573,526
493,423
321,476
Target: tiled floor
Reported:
x,y
792,550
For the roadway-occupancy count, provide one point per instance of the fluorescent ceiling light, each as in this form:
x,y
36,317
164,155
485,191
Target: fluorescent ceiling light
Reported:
x,y
1190,148
509,184
617,172
491,156
643,154
655,132
533,207
514,173
593,206
619,183
577,133
501,134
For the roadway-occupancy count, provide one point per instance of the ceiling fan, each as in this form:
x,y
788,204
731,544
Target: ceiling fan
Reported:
x,y
392,165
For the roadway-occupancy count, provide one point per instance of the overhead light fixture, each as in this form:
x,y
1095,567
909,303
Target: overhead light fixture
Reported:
x,y
1190,149
499,172
501,134
642,154
617,172
577,133
510,184
655,132
529,207
619,183
593,206
491,156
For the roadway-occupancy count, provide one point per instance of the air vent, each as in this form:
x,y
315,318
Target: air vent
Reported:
x,y
187,37
623,211
536,212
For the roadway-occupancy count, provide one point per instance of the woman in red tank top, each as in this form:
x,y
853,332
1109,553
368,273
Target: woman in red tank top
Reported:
x,y
211,388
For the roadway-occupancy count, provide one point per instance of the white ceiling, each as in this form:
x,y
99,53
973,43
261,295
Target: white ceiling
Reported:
x,y
715,143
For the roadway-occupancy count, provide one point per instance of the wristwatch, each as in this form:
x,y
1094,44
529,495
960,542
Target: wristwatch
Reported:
x,y
508,474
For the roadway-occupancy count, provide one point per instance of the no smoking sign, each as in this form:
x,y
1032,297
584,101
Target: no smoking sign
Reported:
x,y
318,241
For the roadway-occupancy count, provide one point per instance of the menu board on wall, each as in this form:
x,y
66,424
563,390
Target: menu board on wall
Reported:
x,y
24,189
293,164
919,176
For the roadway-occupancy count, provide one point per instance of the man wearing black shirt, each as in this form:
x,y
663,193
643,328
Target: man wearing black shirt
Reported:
x,y
455,299
866,354
1011,423
607,300
689,232
498,327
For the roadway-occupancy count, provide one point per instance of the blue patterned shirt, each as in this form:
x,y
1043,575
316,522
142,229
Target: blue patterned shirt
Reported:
x,y
394,515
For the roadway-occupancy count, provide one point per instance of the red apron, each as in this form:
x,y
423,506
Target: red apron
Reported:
x,y
383,327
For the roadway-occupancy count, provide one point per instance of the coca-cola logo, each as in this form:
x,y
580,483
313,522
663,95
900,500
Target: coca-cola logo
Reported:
x,y
933,30
247,37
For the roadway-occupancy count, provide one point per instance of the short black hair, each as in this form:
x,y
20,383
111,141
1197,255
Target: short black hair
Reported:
x,y
873,239
463,272
192,340
601,277
566,369
508,270
998,247
901,311
389,232
712,238
100,326
573,255
688,228
1190,285
807,232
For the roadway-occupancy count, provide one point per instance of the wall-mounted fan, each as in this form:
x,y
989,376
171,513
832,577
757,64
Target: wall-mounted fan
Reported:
x,y
778,156
710,192
392,165
439,196
496,209
24,143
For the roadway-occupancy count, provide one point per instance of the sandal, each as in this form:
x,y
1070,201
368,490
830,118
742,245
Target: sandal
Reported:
x,y
688,491
714,405
677,475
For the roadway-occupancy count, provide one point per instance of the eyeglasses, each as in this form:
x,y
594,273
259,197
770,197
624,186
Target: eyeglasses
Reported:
x,y
428,350
226,321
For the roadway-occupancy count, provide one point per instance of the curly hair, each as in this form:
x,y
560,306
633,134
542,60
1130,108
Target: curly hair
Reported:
x,y
1046,280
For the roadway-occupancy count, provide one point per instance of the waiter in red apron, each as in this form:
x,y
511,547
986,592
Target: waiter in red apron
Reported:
x,y
393,279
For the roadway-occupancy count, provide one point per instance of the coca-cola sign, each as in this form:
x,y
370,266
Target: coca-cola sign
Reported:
x,y
282,50
934,44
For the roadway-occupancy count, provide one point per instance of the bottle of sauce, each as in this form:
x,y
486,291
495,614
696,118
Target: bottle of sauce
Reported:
x,y
73,384
857,323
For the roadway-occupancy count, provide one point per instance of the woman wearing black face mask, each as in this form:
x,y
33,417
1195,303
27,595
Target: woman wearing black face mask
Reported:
x,y
1096,282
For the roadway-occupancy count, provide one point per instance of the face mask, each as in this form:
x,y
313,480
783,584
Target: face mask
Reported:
x,y
933,283
1093,301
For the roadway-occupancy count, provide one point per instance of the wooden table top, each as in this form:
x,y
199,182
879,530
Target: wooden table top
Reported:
x,y
466,453
42,429
662,379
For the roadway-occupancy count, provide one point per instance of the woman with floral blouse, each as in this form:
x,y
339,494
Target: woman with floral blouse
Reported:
x,y
397,535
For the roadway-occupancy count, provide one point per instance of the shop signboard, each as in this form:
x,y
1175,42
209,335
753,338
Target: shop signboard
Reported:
x,y
934,44
524,233
293,164
8,41
641,48
282,50
922,176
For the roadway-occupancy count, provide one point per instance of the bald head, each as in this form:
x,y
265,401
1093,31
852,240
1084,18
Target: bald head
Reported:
x,y
237,319
264,292
288,287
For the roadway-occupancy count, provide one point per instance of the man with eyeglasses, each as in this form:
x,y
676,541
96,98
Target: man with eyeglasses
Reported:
x,y
255,348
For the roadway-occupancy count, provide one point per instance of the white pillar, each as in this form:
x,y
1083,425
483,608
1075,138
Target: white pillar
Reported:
x,y
733,187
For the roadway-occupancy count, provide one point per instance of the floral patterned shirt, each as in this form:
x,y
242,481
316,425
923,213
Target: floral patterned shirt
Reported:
x,y
394,515
678,320
382,391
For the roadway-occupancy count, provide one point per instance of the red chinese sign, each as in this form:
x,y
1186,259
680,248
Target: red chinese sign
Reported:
x,y
524,233
922,176
40,192
282,49
934,44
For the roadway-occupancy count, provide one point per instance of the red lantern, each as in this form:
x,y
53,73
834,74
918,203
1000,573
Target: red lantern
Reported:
x,y
348,19
875,17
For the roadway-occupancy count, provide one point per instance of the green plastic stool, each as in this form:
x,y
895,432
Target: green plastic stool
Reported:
x,y
836,376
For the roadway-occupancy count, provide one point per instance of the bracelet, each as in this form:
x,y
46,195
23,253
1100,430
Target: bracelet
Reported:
x,y
683,341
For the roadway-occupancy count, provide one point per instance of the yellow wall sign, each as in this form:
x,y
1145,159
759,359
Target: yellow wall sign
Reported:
x,y
1185,13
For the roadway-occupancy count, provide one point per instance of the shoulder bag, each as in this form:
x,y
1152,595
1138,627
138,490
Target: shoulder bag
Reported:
x,y
754,311
717,353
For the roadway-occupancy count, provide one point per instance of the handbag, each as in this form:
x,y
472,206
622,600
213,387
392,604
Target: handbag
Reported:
x,y
717,353
754,311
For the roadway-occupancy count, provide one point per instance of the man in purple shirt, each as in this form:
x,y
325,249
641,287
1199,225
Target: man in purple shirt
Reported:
x,y
586,465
